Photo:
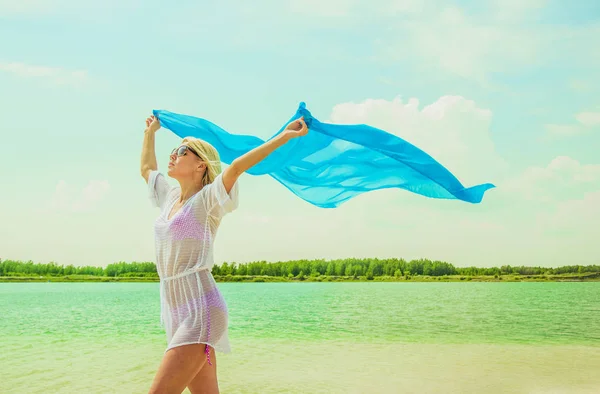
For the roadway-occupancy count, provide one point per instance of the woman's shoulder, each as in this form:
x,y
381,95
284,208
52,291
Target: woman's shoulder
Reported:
x,y
172,194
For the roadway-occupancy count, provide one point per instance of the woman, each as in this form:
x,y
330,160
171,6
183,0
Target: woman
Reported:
x,y
193,311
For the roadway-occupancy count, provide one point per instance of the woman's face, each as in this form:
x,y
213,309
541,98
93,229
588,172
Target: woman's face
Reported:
x,y
184,162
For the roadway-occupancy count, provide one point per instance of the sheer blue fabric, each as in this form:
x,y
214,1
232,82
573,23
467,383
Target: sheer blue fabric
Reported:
x,y
334,163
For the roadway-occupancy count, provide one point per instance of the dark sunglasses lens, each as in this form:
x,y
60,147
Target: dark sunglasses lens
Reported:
x,y
182,150
179,151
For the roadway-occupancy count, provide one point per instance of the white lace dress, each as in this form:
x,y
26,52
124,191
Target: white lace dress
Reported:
x,y
192,307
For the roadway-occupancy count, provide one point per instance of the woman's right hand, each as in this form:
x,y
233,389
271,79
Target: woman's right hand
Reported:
x,y
152,124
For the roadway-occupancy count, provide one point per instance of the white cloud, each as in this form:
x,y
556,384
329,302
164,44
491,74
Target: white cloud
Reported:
x,y
562,129
584,122
515,10
354,10
69,199
506,39
445,38
579,216
453,130
54,75
89,10
581,85
588,118
8,7
562,179
403,7
331,8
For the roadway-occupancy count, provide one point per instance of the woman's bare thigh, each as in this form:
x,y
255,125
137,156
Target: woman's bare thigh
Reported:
x,y
205,381
178,367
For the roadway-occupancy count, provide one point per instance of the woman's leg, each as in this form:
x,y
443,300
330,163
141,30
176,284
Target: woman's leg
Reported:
x,y
205,381
178,367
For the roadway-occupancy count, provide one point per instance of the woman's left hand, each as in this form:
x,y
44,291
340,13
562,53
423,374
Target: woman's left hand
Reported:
x,y
296,128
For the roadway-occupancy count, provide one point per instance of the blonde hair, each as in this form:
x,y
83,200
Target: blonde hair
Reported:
x,y
209,155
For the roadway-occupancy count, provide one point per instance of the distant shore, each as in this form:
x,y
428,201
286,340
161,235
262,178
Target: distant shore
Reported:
x,y
584,277
338,270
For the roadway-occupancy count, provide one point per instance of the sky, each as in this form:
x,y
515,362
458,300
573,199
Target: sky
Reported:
x,y
501,91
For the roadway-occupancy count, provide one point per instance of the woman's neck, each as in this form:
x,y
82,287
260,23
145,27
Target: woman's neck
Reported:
x,y
188,190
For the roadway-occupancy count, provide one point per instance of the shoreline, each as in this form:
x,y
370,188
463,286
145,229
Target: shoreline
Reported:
x,y
459,368
584,277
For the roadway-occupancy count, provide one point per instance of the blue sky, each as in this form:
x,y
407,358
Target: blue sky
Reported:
x,y
506,92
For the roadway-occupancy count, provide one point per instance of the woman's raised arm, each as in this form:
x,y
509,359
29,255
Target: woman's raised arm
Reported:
x,y
148,162
294,129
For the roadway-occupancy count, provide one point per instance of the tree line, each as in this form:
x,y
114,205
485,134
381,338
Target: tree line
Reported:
x,y
349,267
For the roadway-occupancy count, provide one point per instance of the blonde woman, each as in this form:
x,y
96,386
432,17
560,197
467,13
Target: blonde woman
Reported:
x,y
193,311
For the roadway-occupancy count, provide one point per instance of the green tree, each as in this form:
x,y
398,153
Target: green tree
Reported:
x,y
349,270
330,269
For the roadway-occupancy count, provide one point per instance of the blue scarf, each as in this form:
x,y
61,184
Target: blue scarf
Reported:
x,y
333,163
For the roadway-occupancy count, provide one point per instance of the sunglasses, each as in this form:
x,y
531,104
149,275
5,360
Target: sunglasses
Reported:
x,y
182,150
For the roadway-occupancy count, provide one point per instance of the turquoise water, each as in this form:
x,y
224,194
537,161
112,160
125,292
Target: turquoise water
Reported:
x,y
531,313
70,336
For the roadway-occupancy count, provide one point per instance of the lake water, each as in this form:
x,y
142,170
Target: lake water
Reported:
x,y
313,338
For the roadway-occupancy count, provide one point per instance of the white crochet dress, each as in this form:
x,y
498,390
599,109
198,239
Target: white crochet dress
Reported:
x,y
192,308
